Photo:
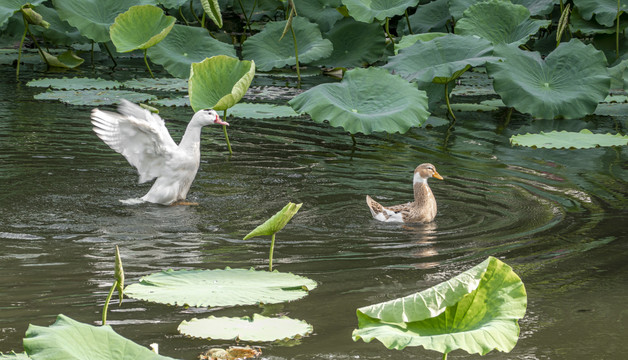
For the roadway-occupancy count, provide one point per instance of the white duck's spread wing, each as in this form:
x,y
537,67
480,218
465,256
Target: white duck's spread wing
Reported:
x,y
139,135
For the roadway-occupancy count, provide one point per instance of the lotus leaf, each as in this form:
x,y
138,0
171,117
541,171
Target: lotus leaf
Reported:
x,y
227,287
178,101
322,12
68,339
276,222
429,17
584,139
258,328
270,52
67,60
605,11
94,17
365,101
219,82
14,356
59,32
569,83
185,45
262,111
9,7
75,83
355,44
93,97
500,22
172,4
536,7
590,27
367,10
162,84
476,311
409,40
212,9
140,27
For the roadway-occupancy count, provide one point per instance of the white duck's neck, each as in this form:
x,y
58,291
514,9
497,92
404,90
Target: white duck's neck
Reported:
x,y
192,136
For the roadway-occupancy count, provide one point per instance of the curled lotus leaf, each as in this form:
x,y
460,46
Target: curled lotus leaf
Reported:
x,y
66,60
212,9
219,82
269,52
228,287
257,328
68,339
476,311
185,45
500,22
276,222
568,83
584,139
366,101
367,10
140,27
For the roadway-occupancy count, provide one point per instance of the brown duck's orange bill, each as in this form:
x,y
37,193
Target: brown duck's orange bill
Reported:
x,y
437,175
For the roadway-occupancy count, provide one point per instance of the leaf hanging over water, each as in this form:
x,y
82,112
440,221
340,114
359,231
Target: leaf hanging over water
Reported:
x,y
276,222
140,27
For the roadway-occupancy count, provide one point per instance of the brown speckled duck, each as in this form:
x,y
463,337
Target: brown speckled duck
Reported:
x,y
422,209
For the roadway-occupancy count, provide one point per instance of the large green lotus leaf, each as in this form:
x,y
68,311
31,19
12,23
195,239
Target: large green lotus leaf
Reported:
x,y
172,4
270,52
605,11
276,222
365,101
476,311
93,97
322,12
219,82
161,84
140,27
185,45
228,287
74,83
258,328
261,111
59,32
409,40
367,10
9,7
68,339
500,22
355,44
584,27
432,16
94,17
536,7
584,139
569,83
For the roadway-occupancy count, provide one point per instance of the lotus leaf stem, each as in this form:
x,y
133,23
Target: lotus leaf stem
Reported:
x,y
224,129
194,14
148,67
296,55
19,52
353,138
617,30
183,17
387,29
447,101
272,249
41,52
408,21
445,356
106,307
115,64
246,18
92,53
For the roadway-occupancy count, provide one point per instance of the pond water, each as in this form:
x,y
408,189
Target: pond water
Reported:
x,y
558,217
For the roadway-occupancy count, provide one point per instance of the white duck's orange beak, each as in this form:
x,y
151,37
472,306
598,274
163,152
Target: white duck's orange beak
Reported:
x,y
220,122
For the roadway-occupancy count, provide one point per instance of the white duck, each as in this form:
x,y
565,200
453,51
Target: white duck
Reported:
x,y
422,209
141,136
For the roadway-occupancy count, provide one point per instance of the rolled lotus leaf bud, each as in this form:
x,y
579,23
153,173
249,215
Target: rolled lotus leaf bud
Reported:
x,y
33,17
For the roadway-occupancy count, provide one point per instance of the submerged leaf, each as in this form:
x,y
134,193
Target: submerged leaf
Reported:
x,y
140,27
476,311
68,339
584,139
229,287
276,222
258,328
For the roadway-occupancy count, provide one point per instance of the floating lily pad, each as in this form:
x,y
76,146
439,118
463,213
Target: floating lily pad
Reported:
x,y
219,82
94,17
227,287
270,52
178,101
500,22
355,44
185,45
584,139
258,328
366,101
140,27
68,339
476,311
367,10
605,11
322,12
75,83
548,88
162,84
93,97
261,111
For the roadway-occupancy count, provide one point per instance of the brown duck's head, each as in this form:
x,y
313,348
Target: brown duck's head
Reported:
x,y
424,172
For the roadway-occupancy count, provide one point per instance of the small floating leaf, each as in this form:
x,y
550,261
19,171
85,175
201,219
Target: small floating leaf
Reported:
x,y
258,328
140,27
178,101
261,111
94,97
476,311
68,339
162,84
584,139
227,287
276,222
75,83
